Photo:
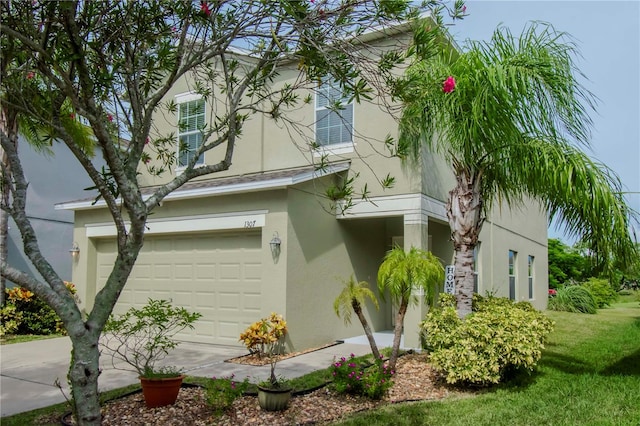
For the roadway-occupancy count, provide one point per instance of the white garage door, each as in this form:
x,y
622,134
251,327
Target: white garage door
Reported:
x,y
218,275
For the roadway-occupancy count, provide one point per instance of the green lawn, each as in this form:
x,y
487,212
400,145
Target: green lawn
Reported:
x,y
588,375
20,338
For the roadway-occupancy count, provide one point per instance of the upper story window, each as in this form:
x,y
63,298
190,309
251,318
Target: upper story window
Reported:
x,y
334,115
191,120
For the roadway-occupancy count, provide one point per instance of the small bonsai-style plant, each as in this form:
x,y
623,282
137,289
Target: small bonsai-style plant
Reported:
x,y
143,337
266,339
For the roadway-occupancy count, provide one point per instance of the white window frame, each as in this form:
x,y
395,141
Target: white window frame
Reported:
x,y
339,147
180,100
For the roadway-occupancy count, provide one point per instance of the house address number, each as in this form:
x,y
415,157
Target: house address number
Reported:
x,y
250,223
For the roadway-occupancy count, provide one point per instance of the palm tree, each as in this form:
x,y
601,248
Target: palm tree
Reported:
x,y
509,116
402,272
352,297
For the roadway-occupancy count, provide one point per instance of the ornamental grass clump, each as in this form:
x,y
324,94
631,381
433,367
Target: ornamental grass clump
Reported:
x,y
573,298
497,338
353,377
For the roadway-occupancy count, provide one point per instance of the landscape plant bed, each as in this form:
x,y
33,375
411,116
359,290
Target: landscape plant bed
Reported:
x,y
414,381
136,394
258,360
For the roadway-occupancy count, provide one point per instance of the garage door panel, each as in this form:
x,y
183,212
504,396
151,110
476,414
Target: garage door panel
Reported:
x,y
205,271
218,275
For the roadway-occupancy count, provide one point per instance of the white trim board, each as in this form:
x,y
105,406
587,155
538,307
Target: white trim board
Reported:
x,y
235,220
415,208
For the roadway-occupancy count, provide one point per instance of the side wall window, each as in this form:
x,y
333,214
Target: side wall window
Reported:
x,y
530,268
513,255
476,270
191,116
334,115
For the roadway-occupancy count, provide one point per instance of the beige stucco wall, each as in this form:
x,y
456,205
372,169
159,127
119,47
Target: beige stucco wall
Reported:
x,y
322,252
524,231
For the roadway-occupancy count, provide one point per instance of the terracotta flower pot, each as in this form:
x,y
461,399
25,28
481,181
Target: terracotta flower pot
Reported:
x,y
159,392
273,399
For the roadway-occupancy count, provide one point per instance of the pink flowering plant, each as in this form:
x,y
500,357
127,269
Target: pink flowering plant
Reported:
x,y
354,377
221,392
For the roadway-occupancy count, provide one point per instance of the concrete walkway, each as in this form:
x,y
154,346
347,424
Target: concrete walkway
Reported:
x,y
29,371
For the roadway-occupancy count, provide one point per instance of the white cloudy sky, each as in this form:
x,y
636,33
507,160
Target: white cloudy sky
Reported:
x,y
608,36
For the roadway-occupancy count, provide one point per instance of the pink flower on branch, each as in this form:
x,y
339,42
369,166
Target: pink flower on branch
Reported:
x,y
449,84
204,8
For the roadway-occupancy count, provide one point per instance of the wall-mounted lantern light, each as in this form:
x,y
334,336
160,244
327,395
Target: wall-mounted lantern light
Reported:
x,y
75,250
275,247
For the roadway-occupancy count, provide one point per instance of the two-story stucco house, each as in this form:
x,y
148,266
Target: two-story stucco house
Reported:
x,y
261,237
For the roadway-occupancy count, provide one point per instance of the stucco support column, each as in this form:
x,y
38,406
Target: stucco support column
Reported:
x,y
416,234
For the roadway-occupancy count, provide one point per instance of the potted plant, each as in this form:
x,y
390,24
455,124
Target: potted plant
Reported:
x,y
266,338
143,337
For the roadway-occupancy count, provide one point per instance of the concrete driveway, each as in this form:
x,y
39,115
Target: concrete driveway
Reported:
x,y
29,371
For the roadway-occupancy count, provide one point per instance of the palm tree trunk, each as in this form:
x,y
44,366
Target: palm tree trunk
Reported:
x,y
464,210
397,333
367,330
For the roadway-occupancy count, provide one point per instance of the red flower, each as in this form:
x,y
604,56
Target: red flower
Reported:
x,y
464,8
449,84
110,117
204,8
73,116
30,75
552,292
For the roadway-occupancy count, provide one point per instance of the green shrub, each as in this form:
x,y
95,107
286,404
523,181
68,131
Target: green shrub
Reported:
x,y
10,319
32,314
498,337
601,291
223,391
573,298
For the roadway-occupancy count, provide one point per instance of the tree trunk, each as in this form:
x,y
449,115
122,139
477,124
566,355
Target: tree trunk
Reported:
x,y
83,374
4,239
9,126
464,211
367,330
397,334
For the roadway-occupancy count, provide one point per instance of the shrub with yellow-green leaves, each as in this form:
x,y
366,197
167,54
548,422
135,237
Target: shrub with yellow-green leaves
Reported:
x,y
498,337
25,313
262,336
